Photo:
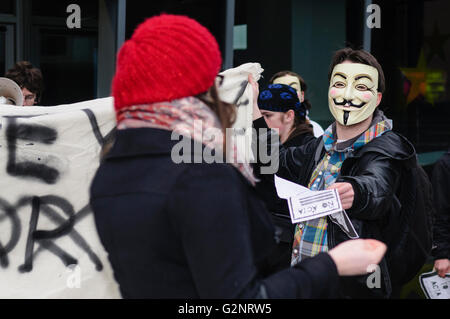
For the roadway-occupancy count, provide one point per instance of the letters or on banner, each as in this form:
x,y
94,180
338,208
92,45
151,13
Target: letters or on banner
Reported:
x,y
49,247
434,286
305,204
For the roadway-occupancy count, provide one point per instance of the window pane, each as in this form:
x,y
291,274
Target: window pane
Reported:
x,y
8,6
51,8
69,65
209,13
413,47
2,50
66,57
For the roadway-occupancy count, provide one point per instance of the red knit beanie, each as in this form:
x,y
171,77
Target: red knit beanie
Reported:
x,y
168,57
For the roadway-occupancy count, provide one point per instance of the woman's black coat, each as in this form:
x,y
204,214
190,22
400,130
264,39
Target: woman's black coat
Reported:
x,y
190,230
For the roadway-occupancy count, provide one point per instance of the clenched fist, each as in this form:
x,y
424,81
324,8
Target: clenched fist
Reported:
x,y
346,193
442,267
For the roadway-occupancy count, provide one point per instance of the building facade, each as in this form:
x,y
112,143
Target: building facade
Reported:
x,y
411,40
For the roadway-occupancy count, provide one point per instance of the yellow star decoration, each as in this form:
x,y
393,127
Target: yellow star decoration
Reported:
x,y
429,83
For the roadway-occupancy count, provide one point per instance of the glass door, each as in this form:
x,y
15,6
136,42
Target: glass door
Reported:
x,y
6,47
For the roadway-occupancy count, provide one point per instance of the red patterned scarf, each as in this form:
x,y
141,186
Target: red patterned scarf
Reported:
x,y
188,117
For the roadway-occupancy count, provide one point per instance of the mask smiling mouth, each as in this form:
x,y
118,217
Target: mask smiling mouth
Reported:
x,y
347,104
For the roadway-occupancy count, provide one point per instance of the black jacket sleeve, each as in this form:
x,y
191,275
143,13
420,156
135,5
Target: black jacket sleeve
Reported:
x,y
291,163
441,230
373,184
374,187
209,210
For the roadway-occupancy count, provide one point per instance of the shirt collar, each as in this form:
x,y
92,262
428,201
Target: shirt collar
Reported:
x,y
380,124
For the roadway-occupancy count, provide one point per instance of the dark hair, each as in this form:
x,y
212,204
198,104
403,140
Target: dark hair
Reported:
x,y
358,56
27,76
301,126
303,85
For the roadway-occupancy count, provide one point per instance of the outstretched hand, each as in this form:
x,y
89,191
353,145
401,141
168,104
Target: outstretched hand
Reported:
x,y
357,257
346,193
442,267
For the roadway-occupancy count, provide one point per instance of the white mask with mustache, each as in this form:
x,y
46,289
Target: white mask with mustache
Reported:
x,y
352,95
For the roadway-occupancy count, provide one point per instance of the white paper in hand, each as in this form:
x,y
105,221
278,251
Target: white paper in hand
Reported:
x,y
305,204
434,286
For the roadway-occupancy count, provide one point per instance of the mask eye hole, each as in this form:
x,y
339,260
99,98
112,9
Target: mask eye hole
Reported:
x,y
362,87
339,85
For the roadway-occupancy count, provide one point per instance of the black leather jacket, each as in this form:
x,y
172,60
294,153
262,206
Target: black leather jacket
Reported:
x,y
375,173
441,186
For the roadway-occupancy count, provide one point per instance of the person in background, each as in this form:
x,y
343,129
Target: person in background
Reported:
x,y
29,79
441,230
174,228
296,81
281,108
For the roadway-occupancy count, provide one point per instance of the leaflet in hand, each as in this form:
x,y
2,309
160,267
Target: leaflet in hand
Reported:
x,y
305,204
434,286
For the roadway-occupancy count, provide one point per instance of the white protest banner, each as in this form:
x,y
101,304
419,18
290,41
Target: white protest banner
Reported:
x,y
49,247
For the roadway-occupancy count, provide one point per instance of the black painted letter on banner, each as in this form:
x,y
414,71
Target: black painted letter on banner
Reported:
x,y
34,133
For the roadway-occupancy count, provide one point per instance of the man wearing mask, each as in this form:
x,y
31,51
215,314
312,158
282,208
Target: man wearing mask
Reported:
x,y
359,155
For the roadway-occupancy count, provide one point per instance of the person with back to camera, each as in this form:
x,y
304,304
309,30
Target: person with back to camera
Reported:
x,y
191,230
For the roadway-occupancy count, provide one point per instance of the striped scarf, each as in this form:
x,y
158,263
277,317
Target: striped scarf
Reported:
x,y
188,117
